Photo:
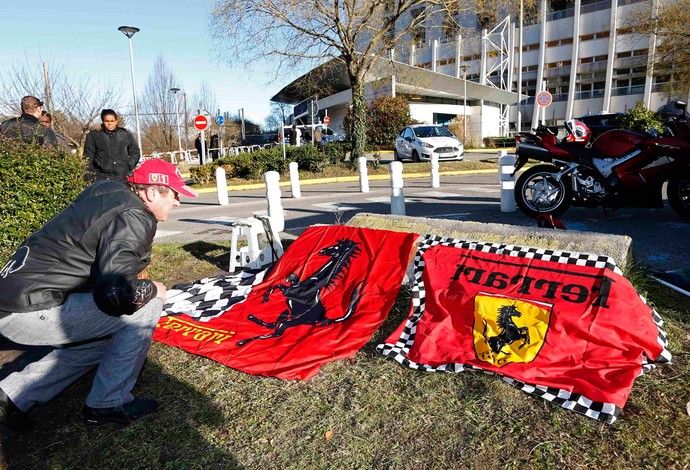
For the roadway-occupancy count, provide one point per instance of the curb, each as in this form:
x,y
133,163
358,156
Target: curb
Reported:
x,y
346,179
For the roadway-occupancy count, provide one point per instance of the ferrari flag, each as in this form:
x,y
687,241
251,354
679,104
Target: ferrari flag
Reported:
x,y
322,301
564,326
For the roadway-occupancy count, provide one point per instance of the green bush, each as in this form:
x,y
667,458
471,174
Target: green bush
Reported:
x,y
386,116
308,158
35,185
640,119
202,174
337,151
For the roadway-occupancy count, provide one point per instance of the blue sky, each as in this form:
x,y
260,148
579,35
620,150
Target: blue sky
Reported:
x,y
83,36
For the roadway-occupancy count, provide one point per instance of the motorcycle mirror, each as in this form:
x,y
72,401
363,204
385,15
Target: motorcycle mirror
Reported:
x,y
680,104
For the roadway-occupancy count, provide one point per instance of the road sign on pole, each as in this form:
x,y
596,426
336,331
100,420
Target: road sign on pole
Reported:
x,y
220,119
326,120
544,98
201,122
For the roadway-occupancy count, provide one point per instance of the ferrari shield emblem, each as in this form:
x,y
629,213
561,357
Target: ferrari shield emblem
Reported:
x,y
509,330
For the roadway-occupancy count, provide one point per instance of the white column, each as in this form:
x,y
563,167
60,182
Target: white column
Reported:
x,y
275,208
651,52
458,56
294,180
221,186
397,196
612,56
518,127
435,180
574,57
434,55
540,66
413,53
363,176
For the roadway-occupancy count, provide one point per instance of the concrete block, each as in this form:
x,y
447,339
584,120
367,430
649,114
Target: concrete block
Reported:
x,y
618,247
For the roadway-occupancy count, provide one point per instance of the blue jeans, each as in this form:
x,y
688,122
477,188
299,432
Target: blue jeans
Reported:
x,y
118,345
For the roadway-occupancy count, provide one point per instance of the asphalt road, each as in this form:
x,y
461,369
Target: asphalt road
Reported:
x,y
660,237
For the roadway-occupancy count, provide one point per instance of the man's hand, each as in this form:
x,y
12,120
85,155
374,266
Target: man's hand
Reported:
x,y
160,288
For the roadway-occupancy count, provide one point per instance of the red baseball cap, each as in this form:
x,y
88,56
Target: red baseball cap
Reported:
x,y
161,173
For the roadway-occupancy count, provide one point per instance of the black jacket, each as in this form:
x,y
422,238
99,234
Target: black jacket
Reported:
x,y
111,155
99,244
27,128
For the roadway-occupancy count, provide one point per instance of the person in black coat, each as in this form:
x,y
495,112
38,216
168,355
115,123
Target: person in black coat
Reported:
x,y
112,152
26,127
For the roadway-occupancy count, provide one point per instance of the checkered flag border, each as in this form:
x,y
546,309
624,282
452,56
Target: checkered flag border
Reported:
x,y
605,412
211,297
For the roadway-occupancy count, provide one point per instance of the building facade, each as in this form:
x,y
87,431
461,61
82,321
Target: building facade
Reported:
x,y
583,54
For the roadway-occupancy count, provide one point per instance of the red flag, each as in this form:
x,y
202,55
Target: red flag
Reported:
x,y
566,326
322,301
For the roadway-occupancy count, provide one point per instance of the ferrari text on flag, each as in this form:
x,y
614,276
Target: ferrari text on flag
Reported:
x,y
564,326
322,301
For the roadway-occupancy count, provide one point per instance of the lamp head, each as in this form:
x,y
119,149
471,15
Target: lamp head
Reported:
x,y
128,31
174,90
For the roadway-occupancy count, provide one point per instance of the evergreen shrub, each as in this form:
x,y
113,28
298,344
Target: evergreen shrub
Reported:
x,y
35,185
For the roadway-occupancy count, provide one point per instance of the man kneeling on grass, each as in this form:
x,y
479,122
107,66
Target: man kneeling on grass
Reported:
x,y
74,285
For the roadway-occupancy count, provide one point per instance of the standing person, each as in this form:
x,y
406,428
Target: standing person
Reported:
x,y
215,143
295,136
318,138
47,120
112,151
199,148
73,284
26,127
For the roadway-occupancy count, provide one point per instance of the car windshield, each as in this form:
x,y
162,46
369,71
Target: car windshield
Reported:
x,y
432,131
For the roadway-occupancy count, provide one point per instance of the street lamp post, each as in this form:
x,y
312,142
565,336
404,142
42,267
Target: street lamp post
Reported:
x,y
130,31
463,67
177,113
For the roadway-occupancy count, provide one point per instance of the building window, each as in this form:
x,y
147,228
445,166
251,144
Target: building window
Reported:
x,y
622,55
586,37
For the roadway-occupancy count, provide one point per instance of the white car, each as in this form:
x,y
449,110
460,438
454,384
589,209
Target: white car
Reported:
x,y
420,141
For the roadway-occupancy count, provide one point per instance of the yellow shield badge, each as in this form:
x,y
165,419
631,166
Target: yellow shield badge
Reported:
x,y
509,330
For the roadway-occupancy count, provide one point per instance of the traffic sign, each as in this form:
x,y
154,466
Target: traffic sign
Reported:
x,y
220,120
326,120
201,122
544,98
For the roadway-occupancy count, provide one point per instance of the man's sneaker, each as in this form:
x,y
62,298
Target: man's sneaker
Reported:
x,y
11,416
123,414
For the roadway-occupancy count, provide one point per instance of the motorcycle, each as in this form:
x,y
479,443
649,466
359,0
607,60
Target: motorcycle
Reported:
x,y
621,168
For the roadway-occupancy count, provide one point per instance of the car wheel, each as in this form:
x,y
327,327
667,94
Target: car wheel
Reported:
x,y
678,193
396,156
415,156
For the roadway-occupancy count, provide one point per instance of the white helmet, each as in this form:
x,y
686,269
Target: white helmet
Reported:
x,y
577,131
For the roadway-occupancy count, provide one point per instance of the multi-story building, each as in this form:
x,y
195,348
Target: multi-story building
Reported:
x,y
583,54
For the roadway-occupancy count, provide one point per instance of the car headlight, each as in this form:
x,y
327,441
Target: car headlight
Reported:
x,y
426,145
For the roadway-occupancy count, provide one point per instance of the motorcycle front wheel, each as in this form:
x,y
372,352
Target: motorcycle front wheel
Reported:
x,y
678,193
538,191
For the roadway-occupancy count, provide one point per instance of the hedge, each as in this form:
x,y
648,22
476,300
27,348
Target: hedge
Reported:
x,y
253,165
35,185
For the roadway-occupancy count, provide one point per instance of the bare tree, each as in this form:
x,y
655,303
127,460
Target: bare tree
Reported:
x,y
157,114
350,34
206,97
74,102
279,113
671,27
292,33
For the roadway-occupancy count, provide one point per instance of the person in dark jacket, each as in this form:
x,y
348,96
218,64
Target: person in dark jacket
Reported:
x,y
74,285
111,152
26,127
47,120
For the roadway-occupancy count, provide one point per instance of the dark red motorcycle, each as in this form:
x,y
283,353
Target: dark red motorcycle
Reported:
x,y
621,168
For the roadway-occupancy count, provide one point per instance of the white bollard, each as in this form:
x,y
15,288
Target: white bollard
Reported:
x,y
275,208
221,186
294,180
506,163
363,176
397,196
435,180
501,153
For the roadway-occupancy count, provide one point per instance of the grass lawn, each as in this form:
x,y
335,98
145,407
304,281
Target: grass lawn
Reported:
x,y
365,412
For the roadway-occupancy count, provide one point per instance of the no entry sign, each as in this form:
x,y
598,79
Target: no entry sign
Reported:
x,y
201,122
326,120
544,98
